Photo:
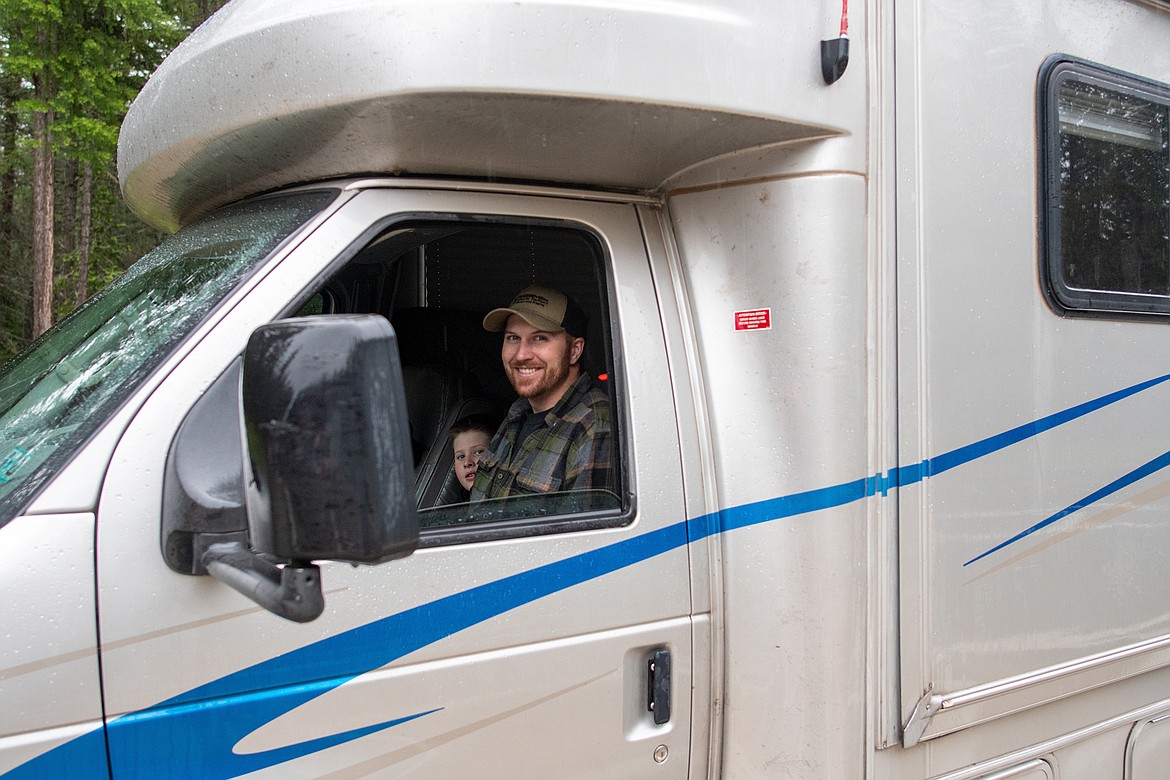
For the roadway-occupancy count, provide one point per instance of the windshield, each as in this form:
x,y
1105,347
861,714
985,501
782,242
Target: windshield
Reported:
x,y
59,391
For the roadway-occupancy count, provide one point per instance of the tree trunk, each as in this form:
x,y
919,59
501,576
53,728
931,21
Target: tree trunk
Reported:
x,y
42,188
14,283
207,8
8,128
82,291
66,196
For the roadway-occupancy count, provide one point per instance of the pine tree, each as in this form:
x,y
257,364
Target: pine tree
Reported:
x,y
68,72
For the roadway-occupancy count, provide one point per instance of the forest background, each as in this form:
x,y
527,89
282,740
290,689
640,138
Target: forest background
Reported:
x,y
68,71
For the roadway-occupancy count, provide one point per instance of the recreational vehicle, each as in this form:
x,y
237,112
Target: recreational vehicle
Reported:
x,y
878,296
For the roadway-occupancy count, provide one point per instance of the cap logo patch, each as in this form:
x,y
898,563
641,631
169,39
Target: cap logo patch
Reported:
x,y
536,300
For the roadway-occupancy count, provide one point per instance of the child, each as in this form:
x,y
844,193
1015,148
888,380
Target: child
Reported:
x,y
470,437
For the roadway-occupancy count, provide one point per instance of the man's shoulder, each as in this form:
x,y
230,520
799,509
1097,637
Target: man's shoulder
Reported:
x,y
589,408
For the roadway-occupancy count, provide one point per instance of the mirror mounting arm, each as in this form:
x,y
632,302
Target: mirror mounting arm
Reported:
x,y
292,591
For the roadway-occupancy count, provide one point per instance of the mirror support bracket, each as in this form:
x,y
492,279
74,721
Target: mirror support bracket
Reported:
x,y
292,591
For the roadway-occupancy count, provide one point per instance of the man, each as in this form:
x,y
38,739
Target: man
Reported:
x,y
558,434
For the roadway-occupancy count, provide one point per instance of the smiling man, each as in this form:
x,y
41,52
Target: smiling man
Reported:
x,y
558,434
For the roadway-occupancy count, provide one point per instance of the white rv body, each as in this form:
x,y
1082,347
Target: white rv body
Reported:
x,y
890,508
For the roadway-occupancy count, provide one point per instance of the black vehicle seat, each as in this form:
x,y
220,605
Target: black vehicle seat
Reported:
x,y
434,397
453,338
448,358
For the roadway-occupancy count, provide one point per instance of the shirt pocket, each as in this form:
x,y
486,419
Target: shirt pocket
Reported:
x,y
542,472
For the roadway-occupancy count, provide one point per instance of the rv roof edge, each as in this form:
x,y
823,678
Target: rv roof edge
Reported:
x,y
245,105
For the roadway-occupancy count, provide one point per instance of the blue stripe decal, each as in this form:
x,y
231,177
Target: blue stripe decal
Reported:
x,y
193,735
1143,471
142,743
838,495
932,467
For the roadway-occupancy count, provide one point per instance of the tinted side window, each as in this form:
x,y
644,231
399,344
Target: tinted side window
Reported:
x,y
1105,144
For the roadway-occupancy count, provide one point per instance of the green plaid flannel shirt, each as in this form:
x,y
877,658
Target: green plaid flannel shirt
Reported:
x,y
572,451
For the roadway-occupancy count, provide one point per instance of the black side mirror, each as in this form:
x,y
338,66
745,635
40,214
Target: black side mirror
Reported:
x,y
329,462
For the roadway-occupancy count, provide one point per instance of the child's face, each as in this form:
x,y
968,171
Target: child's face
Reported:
x,y
469,446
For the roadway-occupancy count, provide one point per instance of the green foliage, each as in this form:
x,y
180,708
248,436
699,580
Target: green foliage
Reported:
x,y
90,58
96,55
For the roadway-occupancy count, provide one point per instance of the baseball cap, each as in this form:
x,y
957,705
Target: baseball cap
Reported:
x,y
541,307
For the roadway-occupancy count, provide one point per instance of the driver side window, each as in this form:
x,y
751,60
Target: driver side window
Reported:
x,y
435,280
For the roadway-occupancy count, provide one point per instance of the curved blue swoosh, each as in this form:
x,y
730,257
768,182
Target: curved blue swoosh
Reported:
x,y
192,735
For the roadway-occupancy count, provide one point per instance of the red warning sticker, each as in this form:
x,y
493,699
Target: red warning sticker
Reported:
x,y
753,319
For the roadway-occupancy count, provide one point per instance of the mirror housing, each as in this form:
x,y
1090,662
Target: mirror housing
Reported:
x,y
328,471
328,460
203,484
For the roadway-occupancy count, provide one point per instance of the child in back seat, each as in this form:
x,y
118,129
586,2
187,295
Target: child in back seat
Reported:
x,y
470,437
